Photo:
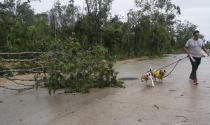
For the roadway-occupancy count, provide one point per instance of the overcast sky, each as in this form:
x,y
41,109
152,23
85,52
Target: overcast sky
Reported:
x,y
195,11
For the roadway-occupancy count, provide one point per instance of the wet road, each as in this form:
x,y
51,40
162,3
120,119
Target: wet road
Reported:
x,y
173,102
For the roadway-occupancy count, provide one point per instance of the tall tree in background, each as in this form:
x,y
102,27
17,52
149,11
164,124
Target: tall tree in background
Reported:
x,y
152,26
150,30
30,32
183,32
113,35
63,19
21,29
7,20
95,19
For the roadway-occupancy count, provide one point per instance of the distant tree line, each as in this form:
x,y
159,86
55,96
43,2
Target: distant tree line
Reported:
x,y
152,29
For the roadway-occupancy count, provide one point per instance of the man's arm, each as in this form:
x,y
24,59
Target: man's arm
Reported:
x,y
188,53
205,50
186,47
187,50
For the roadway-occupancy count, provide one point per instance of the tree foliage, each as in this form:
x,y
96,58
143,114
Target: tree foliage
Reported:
x,y
152,25
77,69
183,32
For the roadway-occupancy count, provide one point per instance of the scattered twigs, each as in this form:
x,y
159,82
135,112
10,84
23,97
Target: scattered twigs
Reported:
x,y
21,53
31,70
17,82
16,89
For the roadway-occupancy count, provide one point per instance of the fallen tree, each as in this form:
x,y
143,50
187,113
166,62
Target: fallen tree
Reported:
x,y
76,69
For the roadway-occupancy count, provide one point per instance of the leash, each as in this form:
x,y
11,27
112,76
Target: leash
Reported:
x,y
176,63
163,67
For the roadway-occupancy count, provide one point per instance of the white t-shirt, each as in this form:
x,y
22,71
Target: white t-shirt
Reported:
x,y
195,47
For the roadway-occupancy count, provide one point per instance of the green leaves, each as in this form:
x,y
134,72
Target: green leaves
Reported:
x,y
77,69
183,33
152,27
21,29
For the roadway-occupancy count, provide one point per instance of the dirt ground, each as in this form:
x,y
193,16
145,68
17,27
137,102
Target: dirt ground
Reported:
x,y
174,102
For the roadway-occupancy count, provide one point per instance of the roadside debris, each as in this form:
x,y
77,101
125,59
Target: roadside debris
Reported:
x,y
185,118
172,90
157,107
139,120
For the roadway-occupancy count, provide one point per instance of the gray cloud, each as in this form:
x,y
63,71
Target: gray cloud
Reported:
x,y
197,12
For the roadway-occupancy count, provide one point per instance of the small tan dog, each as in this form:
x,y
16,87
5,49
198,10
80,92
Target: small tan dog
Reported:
x,y
153,76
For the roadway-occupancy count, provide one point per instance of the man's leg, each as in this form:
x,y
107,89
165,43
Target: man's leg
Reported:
x,y
195,65
193,72
198,61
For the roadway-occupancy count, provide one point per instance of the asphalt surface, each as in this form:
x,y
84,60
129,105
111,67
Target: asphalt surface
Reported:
x,y
175,101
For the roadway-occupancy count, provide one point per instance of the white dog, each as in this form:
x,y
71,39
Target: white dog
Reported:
x,y
153,76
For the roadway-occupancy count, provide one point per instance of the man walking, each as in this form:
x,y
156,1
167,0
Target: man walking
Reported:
x,y
193,48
